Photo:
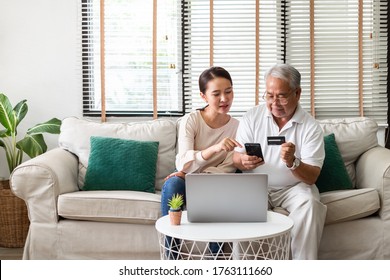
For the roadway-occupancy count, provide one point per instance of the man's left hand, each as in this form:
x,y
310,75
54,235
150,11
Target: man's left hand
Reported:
x,y
287,153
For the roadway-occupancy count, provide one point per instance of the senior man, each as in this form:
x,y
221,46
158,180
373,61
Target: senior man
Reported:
x,y
293,150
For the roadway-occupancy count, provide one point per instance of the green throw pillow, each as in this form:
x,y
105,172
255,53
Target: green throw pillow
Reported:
x,y
334,175
119,164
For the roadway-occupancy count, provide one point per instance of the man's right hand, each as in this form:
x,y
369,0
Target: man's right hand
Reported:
x,y
246,162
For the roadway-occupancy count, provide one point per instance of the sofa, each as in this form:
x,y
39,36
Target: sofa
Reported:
x,y
67,222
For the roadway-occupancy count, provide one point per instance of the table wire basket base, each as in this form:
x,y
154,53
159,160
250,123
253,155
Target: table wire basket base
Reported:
x,y
272,248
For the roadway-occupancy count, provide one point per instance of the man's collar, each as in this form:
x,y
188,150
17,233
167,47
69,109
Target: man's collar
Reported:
x,y
298,115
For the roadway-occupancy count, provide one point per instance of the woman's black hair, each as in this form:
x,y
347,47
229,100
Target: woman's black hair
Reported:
x,y
210,74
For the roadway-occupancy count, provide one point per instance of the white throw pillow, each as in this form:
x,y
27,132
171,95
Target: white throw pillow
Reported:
x,y
353,136
76,133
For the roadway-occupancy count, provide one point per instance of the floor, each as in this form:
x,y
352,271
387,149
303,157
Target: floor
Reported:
x,y
11,253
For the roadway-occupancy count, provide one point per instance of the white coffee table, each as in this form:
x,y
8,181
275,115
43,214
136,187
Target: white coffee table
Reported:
x,y
246,241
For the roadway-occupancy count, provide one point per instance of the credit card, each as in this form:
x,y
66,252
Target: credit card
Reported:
x,y
276,140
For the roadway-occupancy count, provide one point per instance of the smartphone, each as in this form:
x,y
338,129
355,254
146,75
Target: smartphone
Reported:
x,y
254,149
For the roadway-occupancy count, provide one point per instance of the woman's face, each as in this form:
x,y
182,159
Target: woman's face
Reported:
x,y
219,95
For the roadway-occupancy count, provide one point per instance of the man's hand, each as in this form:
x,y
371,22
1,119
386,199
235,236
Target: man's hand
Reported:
x,y
305,173
246,162
287,153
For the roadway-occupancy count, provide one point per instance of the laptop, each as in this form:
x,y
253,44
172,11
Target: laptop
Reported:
x,y
227,197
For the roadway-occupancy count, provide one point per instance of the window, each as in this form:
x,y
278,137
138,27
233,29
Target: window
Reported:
x,y
344,72
245,37
128,48
331,77
340,48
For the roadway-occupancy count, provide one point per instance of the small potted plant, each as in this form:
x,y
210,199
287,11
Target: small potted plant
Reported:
x,y
175,210
13,212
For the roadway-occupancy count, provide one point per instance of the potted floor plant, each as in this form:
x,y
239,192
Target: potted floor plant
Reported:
x,y
175,210
13,212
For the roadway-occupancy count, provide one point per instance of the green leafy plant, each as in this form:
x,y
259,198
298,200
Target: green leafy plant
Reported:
x,y
33,143
176,201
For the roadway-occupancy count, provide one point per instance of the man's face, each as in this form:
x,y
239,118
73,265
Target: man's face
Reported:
x,y
281,99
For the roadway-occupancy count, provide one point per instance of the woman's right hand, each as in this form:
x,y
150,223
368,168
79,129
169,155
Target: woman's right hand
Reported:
x,y
227,144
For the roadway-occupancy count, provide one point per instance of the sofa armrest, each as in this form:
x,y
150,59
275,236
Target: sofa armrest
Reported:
x,y
373,171
39,182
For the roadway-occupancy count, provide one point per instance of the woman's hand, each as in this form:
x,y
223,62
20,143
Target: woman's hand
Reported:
x,y
180,174
227,144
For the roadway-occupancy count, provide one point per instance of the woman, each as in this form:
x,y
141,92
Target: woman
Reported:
x,y
206,136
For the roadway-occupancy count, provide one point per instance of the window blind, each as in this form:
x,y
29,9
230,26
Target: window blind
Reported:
x,y
336,45
234,46
133,83
336,56
340,48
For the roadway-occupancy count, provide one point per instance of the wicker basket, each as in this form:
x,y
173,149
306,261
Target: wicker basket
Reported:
x,y
14,222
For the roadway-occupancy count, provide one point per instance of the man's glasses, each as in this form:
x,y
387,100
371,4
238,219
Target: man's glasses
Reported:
x,y
282,98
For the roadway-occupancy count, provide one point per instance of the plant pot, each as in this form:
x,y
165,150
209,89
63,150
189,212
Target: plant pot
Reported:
x,y
175,216
14,222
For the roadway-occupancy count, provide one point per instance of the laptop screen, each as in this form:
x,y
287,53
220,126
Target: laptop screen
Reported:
x,y
227,197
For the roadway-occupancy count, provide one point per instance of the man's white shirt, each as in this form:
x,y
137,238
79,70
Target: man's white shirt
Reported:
x,y
302,130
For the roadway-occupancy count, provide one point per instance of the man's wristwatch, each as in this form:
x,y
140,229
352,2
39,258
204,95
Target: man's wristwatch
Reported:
x,y
295,165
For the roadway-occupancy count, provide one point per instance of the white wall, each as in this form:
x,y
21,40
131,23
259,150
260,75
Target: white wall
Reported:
x,y
40,61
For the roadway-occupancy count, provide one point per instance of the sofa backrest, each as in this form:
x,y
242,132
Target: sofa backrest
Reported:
x,y
353,136
76,133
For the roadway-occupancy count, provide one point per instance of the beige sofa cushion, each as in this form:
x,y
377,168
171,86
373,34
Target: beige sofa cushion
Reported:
x,y
76,133
348,205
353,136
110,206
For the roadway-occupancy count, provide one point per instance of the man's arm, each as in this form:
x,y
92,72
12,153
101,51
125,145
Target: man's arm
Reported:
x,y
304,172
307,173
